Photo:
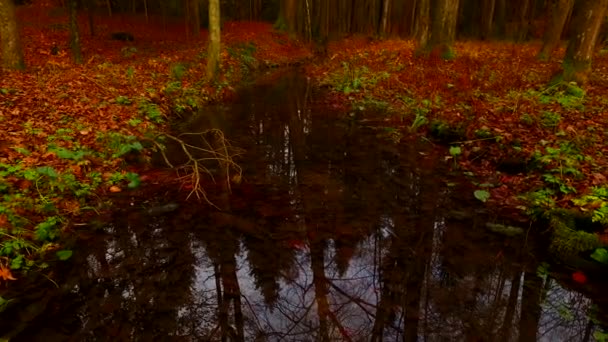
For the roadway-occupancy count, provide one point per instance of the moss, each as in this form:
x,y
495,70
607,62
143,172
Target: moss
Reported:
x,y
566,238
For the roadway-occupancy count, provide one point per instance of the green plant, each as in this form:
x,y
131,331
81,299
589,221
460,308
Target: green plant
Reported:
x,y
178,70
596,202
559,164
128,51
550,119
123,100
527,119
151,111
119,145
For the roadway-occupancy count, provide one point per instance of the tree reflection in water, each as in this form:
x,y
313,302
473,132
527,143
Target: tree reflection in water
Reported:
x,y
334,235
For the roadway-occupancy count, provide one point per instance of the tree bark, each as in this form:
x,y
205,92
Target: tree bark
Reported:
x,y
423,25
195,18
12,53
560,9
586,25
90,6
213,52
74,34
443,28
487,18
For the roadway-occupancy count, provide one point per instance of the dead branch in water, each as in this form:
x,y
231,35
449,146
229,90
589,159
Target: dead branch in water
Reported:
x,y
214,148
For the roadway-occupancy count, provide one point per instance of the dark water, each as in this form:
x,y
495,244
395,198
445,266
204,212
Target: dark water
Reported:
x,y
334,234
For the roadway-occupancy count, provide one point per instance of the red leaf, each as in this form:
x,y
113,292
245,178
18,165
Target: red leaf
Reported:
x,y
579,277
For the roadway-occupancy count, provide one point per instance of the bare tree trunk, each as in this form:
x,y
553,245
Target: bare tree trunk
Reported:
x,y
586,24
213,52
523,26
12,53
74,34
501,18
90,14
146,9
196,18
560,10
443,28
423,25
109,5
386,10
487,18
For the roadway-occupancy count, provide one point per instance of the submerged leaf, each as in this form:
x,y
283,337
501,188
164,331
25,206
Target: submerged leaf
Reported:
x,y
600,255
482,195
64,254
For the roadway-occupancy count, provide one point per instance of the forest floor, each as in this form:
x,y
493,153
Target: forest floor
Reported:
x,y
69,128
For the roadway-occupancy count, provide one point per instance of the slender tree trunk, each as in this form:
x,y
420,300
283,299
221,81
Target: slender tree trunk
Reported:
x,y
586,25
109,5
90,15
146,9
560,10
523,26
213,52
196,18
74,34
501,18
423,25
487,18
386,10
12,53
443,28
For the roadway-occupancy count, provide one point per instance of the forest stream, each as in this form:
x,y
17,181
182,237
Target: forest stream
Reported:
x,y
334,233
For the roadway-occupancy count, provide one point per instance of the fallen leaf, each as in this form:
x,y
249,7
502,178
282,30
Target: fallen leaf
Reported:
x,y
114,188
579,277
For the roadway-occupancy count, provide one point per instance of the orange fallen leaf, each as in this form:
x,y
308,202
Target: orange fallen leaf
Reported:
x,y
114,188
5,273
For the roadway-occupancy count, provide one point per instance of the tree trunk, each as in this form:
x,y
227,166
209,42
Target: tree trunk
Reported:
x,y
560,9
487,18
12,53
423,25
386,10
586,25
74,34
213,52
193,18
443,28
109,6
523,25
90,9
146,9
501,18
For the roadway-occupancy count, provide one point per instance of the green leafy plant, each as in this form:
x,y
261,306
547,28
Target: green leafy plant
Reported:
x,y
178,71
550,119
151,110
123,100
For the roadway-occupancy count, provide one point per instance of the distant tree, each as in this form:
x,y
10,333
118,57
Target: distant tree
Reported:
x,y
444,14
560,9
12,53
195,17
74,34
213,51
488,8
588,16
90,6
422,26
